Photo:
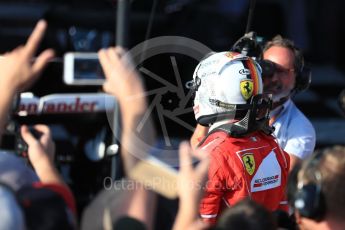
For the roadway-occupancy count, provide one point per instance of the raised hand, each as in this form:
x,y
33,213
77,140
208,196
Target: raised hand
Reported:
x,y
122,80
41,153
18,71
39,145
191,182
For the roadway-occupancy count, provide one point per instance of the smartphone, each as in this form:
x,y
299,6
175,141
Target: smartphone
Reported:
x,y
82,69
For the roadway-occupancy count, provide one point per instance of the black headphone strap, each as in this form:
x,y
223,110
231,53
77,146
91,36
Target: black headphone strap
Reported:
x,y
309,199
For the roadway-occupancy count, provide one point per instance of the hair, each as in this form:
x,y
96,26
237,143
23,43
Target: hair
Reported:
x,y
44,209
278,40
248,215
331,165
12,216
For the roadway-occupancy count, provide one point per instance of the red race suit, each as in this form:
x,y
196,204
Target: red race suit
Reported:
x,y
252,166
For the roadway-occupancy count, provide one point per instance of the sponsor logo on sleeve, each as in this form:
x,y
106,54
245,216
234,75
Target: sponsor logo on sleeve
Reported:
x,y
268,175
265,181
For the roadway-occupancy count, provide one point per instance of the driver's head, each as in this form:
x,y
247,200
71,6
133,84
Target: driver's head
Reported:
x,y
225,84
288,62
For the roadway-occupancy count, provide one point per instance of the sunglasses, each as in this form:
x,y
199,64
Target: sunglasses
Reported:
x,y
269,68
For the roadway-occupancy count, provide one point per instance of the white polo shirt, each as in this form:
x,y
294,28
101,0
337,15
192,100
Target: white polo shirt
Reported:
x,y
295,133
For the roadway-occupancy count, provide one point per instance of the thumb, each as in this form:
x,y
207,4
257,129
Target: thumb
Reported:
x,y
36,152
185,156
42,61
26,134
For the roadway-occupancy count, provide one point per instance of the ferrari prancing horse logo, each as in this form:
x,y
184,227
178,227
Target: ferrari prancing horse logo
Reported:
x,y
246,88
249,163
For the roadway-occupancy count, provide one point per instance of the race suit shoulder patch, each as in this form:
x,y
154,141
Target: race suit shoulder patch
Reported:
x,y
268,175
249,163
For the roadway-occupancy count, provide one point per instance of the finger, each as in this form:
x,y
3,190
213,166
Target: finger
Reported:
x,y
35,38
102,57
120,58
16,50
41,61
107,87
102,53
199,225
44,134
27,136
200,153
127,60
185,156
201,170
105,62
114,56
120,50
42,128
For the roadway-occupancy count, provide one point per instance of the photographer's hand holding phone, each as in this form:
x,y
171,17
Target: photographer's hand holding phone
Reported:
x,y
41,153
39,139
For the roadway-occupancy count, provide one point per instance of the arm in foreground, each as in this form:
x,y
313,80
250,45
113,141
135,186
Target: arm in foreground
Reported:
x,y
124,82
18,72
191,182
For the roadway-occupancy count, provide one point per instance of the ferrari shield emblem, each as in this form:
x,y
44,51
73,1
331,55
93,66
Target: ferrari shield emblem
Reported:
x,y
246,88
249,163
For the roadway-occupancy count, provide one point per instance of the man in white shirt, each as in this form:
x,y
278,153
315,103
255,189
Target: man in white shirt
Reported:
x,y
295,133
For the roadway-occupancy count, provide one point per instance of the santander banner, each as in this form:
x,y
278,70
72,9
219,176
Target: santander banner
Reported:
x,y
65,103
